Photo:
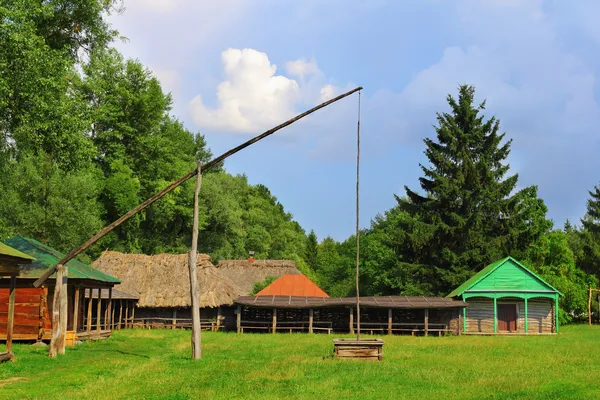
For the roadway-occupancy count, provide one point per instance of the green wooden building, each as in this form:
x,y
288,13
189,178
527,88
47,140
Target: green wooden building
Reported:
x,y
506,297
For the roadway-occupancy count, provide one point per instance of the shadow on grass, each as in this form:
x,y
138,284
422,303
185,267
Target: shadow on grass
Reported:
x,y
127,353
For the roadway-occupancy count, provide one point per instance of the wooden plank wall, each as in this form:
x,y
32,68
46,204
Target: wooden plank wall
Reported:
x,y
541,316
480,315
32,317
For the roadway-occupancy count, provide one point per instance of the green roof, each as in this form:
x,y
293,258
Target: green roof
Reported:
x,y
46,257
485,272
9,251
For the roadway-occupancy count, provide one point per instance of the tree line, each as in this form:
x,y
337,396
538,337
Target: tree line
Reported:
x,y
86,134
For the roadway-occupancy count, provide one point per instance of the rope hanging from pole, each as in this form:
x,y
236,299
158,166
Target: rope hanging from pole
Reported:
x,y
357,220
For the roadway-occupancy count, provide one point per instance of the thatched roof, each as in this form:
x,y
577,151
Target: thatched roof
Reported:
x,y
163,280
245,273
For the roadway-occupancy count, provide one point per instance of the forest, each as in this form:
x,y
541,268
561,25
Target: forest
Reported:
x,y
86,134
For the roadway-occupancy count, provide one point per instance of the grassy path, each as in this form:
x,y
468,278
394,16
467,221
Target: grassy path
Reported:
x,y
154,364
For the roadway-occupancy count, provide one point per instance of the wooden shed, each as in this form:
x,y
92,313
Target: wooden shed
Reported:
x,y
34,305
162,285
507,298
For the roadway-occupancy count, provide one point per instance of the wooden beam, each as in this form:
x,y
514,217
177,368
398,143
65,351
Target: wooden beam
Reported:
x,y
426,321
53,350
11,313
274,325
89,311
351,320
495,315
193,258
390,321
556,314
310,320
132,314
99,311
108,310
112,318
120,313
239,318
126,315
174,320
217,161
590,306
76,310
64,311
219,318
526,316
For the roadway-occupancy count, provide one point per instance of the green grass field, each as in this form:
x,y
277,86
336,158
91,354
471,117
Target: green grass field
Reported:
x,y
143,364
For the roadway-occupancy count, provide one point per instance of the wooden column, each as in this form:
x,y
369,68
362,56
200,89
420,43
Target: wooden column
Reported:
x,y
76,310
108,310
464,313
460,322
390,315
426,321
132,314
11,314
99,310
556,313
89,311
495,316
112,318
64,311
53,350
195,292
310,320
219,318
274,327
174,320
239,318
351,320
526,316
590,306
126,314
120,313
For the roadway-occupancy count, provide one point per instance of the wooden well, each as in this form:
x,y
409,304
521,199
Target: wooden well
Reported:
x,y
365,349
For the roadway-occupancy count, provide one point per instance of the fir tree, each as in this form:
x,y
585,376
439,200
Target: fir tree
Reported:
x,y
312,250
589,261
591,222
469,215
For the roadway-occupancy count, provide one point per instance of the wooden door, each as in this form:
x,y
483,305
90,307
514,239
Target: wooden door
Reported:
x,y
507,317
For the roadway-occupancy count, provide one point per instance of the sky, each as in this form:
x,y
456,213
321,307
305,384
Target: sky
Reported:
x,y
236,68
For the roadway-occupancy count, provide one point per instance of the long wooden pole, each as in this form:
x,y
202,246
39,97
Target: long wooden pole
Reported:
x,y
53,350
64,311
181,180
89,312
590,306
357,221
194,292
11,314
76,310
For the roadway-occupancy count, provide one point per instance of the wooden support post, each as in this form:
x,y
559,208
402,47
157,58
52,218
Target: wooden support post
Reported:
x,y
426,321
76,311
238,318
590,306
351,320
219,318
310,320
112,318
195,295
274,327
53,350
556,313
526,316
390,315
132,314
64,311
99,310
89,311
126,315
109,310
120,313
495,315
174,320
464,313
460,322
11,313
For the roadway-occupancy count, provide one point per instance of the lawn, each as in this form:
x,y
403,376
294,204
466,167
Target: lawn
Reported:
x,y
144,364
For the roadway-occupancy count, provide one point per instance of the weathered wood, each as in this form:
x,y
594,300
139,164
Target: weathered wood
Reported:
x,y
426,322
112,318
89,311
351,320
370,349
120,313
108,311
239,318
126,315
590,307
194,289
357,221
310,320
53,348
217,161
274,322
8,356
219,318
76,310
132,314
11,314
99,311
174,320
390,321
64,311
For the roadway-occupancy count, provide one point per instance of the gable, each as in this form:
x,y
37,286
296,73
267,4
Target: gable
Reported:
x,y
292,285
510,275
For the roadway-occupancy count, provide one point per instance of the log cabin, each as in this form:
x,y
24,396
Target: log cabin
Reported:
x,y
34,305
508,298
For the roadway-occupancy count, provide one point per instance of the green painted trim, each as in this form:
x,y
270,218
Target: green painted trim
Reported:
x,y
556,313
464,316
518,295
495,316
526,317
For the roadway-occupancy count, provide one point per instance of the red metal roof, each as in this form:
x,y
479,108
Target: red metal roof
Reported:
x,y
293,285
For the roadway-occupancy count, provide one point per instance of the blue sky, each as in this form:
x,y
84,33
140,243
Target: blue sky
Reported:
x,y
236,68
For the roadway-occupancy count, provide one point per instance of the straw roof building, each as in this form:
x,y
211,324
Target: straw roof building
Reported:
x,y
245,273
162,281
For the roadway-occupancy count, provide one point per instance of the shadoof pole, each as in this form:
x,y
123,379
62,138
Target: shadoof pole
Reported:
x,y
107,229
193,258
357,220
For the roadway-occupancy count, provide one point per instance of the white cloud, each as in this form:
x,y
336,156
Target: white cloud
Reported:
x,y
253,96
